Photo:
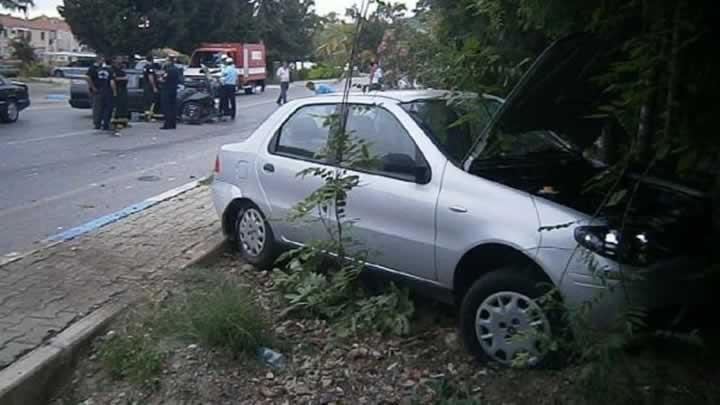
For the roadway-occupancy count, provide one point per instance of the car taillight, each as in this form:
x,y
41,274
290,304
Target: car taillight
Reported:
x,y
217,164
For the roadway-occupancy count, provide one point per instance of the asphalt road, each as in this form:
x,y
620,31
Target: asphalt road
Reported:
x,y
56,172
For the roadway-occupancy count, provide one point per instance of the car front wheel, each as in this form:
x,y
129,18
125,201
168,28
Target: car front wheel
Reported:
x,y
192,113
255,239
502,320
10,113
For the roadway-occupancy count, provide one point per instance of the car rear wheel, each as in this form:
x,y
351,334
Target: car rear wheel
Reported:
x,y
10,113
255,239
249,90
501,320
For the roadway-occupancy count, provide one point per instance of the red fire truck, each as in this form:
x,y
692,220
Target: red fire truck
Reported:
x,y
249,59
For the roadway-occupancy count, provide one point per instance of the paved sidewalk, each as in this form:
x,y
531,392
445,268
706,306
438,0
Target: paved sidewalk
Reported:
x,y
45,292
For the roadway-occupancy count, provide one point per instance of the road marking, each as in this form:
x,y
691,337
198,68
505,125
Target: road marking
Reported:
x,y
47,106
47,138
125,212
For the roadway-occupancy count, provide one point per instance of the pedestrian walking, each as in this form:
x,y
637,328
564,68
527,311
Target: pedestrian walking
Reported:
x,y
376,77
168,99
102,87
228,90
283,73
151,87
122,113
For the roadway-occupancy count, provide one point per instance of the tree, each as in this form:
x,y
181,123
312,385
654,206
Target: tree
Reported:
x,y
119,27
287,27
22,50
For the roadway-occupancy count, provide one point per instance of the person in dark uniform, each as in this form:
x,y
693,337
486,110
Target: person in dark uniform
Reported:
x,y
169,94
103,86
92,88
151,87
122,114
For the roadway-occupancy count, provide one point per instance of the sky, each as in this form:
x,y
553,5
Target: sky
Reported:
x,y
49,7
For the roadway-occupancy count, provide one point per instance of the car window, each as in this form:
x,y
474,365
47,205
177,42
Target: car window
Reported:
x,y
305,133
391,149
455,125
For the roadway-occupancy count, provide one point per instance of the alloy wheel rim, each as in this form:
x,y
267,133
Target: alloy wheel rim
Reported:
x,y
509,325
252,232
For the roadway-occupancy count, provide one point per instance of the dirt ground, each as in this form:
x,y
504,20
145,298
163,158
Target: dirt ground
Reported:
x,y
429,366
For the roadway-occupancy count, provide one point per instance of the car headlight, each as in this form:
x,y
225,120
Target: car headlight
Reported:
x,y
630,247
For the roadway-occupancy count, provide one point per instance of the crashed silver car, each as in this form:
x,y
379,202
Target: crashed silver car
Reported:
x,y
486,215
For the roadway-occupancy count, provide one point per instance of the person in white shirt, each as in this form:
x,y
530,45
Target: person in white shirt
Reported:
x,y
376,76
284,74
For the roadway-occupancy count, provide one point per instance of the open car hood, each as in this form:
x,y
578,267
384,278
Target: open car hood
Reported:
x,y
557,93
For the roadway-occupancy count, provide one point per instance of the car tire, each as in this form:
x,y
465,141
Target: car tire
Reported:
x,y
249,90
254,237
485,331
192,113
10,113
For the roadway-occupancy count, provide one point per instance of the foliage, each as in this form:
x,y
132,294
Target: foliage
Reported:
x,y
389,312
23,50
125,27
119,27
220,314
448,393
335,39
131,356
321,72
35,69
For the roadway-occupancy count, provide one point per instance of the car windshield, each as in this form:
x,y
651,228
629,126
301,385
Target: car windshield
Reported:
x,y
454,125
210,59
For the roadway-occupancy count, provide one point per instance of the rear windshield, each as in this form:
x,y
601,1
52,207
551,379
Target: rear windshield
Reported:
x,y
454,125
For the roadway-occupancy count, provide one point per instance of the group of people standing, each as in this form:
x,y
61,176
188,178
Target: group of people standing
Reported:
x,y
108,89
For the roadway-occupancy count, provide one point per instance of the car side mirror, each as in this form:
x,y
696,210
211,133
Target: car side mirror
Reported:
x,y
422,174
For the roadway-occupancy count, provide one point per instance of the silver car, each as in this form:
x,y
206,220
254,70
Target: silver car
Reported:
x,y
486,214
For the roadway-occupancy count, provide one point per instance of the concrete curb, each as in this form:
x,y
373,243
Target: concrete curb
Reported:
x,y
39,375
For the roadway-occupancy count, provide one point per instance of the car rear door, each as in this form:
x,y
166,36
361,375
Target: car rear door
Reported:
x,y
294,148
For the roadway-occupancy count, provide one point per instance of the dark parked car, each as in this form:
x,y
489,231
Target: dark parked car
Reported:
x,y
194,104
14,97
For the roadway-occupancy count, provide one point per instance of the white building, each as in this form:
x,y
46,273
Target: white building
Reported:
x,y
46,34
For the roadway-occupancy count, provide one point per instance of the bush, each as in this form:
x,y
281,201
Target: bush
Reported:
x,y
131,356
222,315
35,69
322,72
314,287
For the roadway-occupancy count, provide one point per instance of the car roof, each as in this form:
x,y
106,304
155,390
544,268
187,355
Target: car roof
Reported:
x,y
394,96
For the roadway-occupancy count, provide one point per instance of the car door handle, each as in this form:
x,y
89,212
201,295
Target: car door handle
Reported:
x,y
458,209
269,168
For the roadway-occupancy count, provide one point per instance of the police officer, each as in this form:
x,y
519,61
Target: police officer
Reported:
x,y
151,86
169,94
102,86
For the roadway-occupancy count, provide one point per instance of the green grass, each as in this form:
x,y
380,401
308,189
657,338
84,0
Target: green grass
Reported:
x,y
131,357
218,313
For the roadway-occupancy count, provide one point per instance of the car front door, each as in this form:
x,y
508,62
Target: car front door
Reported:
x,y
394,205
295,147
